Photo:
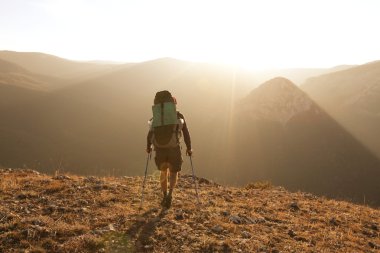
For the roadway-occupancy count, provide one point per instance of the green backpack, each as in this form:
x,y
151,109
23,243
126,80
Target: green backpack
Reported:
x,y
165,124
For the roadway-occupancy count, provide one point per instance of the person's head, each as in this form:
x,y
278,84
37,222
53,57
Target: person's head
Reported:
x,y
163,97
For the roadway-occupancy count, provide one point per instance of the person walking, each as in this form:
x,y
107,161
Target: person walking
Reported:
x,y
165,131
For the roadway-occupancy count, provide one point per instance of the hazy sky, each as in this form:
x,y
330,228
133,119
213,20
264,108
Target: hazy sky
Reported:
x,y
266,33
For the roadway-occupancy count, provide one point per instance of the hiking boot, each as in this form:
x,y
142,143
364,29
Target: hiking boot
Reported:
x,y
168,201
163,201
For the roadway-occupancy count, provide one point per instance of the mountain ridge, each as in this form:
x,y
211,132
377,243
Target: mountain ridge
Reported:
x,y
352,97
41,63
277,99
281,135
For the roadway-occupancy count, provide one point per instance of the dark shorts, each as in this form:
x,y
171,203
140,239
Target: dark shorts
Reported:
x,y
172,156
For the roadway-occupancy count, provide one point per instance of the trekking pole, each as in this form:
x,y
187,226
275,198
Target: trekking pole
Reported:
x,y
195,182
143,185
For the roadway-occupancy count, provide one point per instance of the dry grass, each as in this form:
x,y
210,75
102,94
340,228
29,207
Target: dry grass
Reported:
x,y
263,185
67,213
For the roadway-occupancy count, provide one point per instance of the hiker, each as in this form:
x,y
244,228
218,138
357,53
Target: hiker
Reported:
x,y
165,134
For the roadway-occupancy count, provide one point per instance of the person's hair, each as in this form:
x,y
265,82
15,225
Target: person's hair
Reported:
x,y
163,96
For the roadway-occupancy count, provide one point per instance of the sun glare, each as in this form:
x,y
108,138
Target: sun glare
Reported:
x,y
250,34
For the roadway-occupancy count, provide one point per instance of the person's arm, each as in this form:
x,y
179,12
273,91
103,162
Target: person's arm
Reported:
x,y
149,137
149,142
186,134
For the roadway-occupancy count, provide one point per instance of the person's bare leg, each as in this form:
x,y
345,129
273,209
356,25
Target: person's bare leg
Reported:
x,y
173,181
164,178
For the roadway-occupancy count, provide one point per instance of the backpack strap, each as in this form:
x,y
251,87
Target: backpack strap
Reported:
x,y
162,114
177,132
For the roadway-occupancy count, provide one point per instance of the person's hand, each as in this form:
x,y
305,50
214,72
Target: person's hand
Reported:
x,y
149,150
189,152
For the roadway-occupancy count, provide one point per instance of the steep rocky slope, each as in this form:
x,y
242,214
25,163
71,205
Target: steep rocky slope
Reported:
x,y
68,213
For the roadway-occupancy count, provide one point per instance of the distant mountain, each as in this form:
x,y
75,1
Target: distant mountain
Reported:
x,y
278,100
14,75
101,123
352,97
297,75
19,86
46,64
283,136
8,67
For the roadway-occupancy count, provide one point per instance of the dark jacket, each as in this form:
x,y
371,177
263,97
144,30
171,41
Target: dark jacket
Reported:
x,y
185,132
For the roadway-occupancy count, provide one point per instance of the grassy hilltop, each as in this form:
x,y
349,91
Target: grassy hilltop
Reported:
x,y
68,213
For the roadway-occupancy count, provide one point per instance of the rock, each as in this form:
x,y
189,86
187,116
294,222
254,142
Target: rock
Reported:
x,y
235,219
41,230
46,181
241,219
92,179
249,220
217,229
374,227
43,200
98,231
62,209
83,202
21,196
62,177
228,198
98,187
38,222
294,206
369,233
300,239
246,234
334,222
225,213
310,196
179,215
111,227
211,203
291,233
203,181
24,232
272,219
50,209
184,234
373,245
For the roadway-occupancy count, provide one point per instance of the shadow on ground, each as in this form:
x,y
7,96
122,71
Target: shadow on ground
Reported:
x,y
143,228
